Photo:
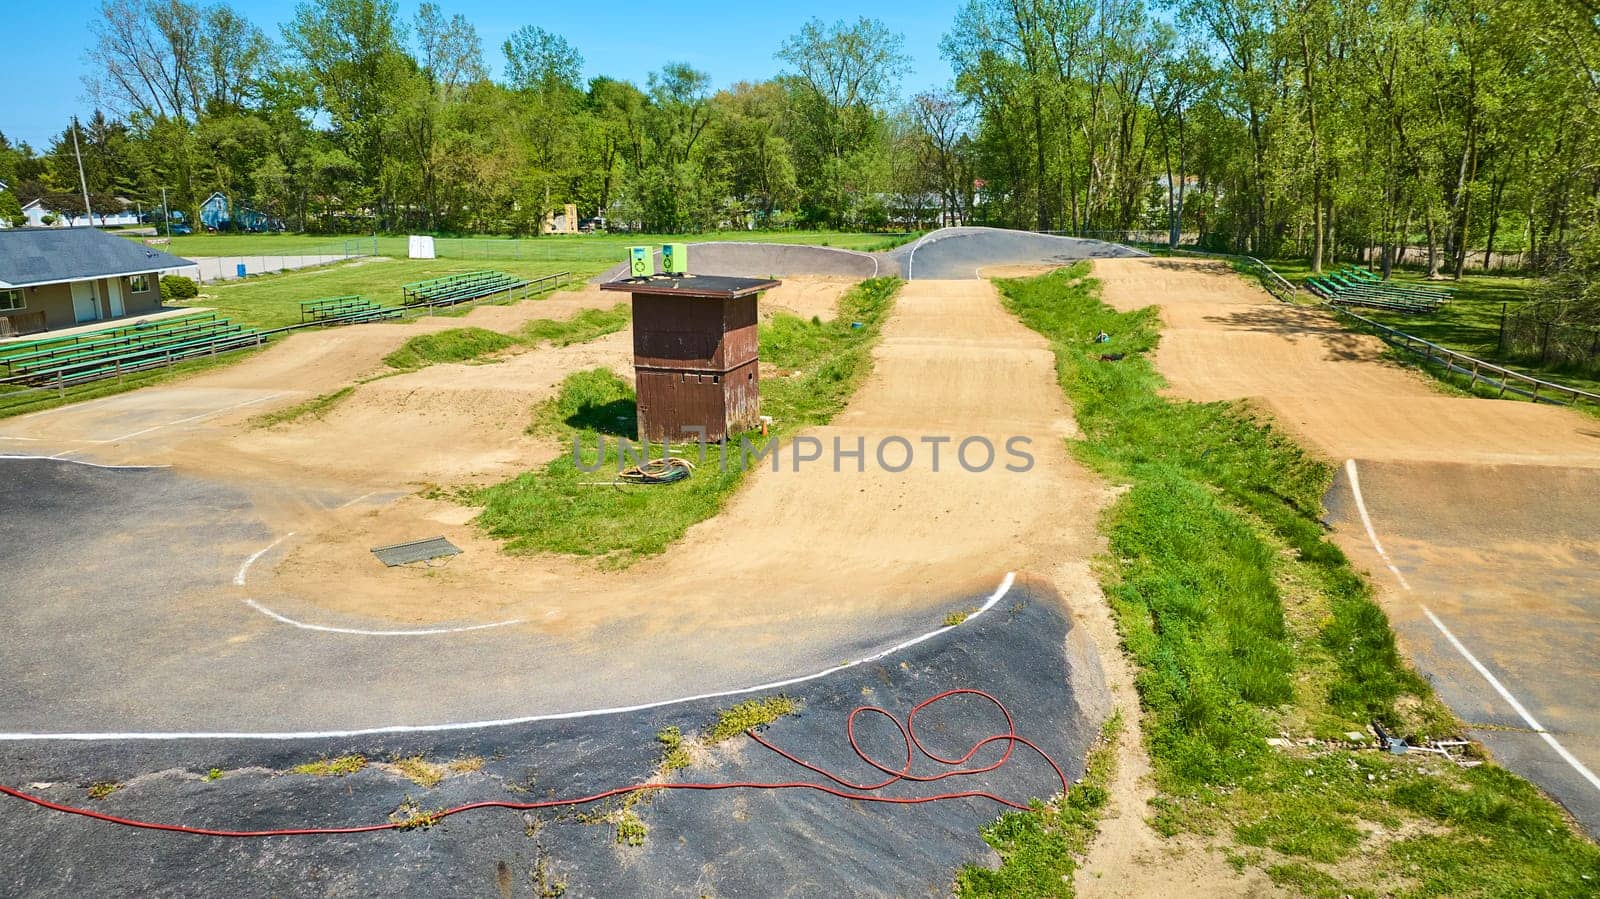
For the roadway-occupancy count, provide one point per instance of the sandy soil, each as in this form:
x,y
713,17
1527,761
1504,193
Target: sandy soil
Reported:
x,y
791,544
1225,338
1485,505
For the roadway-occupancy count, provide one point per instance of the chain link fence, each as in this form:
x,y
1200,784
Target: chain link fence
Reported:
x,y
1540,335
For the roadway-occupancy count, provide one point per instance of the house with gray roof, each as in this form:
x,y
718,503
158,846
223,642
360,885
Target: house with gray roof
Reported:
x,y
60,277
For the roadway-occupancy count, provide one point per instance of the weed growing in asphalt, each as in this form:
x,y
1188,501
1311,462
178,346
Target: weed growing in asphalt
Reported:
x,y
749,715
100,789
674,754
419,771
410,816
1039,848
334,767
214,774
959,615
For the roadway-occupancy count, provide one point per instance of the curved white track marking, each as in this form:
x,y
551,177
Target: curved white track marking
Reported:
x,y
1518,707
238,577
1366,521
58,458
911,257
244,571
428,632
994,598
1505,694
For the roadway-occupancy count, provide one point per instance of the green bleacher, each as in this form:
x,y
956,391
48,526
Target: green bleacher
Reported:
x,y
345,310
109,352
465,287
1358,287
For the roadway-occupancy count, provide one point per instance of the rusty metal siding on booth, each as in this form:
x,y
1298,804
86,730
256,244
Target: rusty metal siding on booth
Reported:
x,y
724,402
697,335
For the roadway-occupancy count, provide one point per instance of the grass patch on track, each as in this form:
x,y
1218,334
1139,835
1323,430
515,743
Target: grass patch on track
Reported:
x,y
748,715
1039,849
563,508
580,328
1245,622
316,407
334,767
454,345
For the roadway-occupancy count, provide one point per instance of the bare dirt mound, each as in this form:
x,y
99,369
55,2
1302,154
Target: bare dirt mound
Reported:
x,y
1226,338
155,424
813,545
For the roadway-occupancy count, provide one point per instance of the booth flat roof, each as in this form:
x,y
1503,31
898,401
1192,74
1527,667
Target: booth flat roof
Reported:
x,y
710,287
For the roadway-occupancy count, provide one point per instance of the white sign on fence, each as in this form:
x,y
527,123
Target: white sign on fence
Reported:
x,y
421,246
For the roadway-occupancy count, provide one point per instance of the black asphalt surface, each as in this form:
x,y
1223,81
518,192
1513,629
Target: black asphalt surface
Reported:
x,y
1506,558
959,253
947,253
734,843
121,616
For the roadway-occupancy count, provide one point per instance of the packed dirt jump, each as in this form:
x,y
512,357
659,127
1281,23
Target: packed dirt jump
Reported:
x,y
1477,517
800,569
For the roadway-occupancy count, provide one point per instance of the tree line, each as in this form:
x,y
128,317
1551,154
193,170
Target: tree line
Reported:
x,y
1321,128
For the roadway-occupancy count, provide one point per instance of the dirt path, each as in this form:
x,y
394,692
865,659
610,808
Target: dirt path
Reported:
x,y
799,571
1224,338
793,544
1485,508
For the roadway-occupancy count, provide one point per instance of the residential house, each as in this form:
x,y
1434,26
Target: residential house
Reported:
x,y
59,277
36,211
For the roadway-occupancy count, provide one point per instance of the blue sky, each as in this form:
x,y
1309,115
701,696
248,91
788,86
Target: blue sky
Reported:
x,y
733,41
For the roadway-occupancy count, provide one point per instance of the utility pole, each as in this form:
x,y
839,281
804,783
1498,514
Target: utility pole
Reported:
x,y
166,214
82,182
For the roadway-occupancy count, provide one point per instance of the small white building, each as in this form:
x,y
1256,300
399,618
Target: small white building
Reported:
x,y
36,212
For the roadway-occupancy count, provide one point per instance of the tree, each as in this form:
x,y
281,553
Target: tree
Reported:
x,y
843,75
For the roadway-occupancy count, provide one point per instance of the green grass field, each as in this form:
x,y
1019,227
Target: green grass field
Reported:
x,y
1244,623
588,251
273,301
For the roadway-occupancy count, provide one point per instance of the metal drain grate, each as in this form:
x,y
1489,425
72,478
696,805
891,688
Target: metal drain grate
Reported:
x,y
415,551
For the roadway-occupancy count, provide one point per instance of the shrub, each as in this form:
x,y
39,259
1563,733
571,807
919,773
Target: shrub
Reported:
x,y
177,287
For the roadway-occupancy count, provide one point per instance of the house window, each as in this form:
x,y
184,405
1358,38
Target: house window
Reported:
x,y
139,283
11,301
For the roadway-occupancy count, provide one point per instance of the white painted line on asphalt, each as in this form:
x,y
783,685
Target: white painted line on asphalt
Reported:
x,y
1366,521
58,458
354,501
994,598
211,414
427,632
1505,694
244,570
911,257
238,577
1518,707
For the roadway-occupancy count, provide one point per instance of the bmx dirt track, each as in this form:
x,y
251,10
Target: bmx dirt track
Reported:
x,y
799,572
1485,509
